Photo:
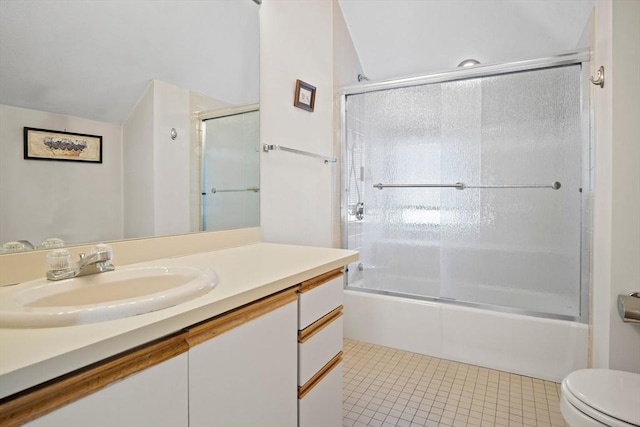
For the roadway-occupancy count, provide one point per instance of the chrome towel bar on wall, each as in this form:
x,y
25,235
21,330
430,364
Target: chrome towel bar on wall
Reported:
x,y
267,147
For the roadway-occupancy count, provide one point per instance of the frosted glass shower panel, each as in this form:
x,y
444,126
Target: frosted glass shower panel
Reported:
x,y
508,247
231,172
518,247
398,141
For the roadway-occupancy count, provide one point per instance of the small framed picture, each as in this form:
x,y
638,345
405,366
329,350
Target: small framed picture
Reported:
x,y
43,144
305,96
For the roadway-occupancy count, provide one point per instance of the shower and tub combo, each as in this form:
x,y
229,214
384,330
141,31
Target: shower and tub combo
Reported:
x,y
468,195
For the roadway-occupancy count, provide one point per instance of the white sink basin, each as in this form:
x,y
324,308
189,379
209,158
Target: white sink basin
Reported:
x,y
98,297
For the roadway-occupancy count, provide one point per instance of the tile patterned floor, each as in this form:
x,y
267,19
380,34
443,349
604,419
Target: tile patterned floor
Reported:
x,y
388,387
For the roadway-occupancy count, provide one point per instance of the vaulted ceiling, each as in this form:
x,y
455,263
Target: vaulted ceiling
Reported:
x,y
93,59
396,38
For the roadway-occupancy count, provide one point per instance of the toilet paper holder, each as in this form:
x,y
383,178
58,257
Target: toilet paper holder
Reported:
x,y
629,307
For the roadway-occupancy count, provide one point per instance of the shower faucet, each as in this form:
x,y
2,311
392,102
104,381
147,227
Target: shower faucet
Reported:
x,y
357,210
360,211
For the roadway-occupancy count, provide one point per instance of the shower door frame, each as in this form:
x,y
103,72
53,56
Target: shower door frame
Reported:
x,y
581,57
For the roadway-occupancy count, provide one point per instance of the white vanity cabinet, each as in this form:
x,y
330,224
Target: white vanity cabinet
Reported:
x,y
274,362
242,366
154,397
320,351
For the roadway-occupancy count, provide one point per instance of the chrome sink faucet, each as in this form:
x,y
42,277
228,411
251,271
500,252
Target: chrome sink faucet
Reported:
x,y
97,261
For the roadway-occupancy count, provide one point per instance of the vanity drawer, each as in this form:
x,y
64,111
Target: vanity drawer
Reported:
x,y
319,296
321,404
318,349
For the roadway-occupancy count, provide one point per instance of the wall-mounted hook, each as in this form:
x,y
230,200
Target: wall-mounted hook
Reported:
x,y
599,80
174,133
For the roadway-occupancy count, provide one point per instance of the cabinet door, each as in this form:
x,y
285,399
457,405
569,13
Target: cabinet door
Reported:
x,y
319,299
316,352
320,351
154,397
247,375
322,406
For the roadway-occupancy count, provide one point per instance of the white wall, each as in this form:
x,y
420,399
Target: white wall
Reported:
x,y
300,197
171,159
81,201
625,256
617,183
156,168
296,191
346,67
137,134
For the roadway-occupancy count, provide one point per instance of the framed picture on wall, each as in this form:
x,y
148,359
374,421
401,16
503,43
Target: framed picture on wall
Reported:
x,y
44,144
305,96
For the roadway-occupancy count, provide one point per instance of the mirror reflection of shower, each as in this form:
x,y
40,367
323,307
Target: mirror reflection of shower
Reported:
x,y
230,168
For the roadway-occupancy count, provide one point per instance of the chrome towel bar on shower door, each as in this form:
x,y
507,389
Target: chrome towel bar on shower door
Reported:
x,y
215,190
461,186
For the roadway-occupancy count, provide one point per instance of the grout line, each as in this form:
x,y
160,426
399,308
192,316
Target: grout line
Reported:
x,y
383,386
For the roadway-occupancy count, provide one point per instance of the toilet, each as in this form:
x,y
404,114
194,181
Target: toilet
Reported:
x,y
601,397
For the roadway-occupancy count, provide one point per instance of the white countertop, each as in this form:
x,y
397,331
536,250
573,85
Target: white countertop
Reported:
x,y
31,356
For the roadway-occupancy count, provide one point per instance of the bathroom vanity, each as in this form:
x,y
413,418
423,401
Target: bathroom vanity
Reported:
x,y
262,348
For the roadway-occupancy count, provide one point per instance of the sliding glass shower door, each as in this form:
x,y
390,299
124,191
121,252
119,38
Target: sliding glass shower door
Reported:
x,y
231,171
470,190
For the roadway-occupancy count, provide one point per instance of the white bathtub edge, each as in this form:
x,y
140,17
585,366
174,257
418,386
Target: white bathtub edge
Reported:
x,y
541,348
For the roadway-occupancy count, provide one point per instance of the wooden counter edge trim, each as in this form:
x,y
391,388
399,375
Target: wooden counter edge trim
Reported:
x,y
314,380
211,328
307,285
319,324
40,400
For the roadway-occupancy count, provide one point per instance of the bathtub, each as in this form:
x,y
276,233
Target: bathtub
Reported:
x,y
537,347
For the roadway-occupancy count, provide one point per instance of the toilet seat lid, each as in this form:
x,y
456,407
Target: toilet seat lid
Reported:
x,y
614,393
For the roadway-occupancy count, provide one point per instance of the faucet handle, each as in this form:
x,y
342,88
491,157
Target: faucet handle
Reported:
x,y
53,242
103,250
104,255
59,259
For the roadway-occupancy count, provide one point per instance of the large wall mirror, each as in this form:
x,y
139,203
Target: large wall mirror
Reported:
x,y
172,90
